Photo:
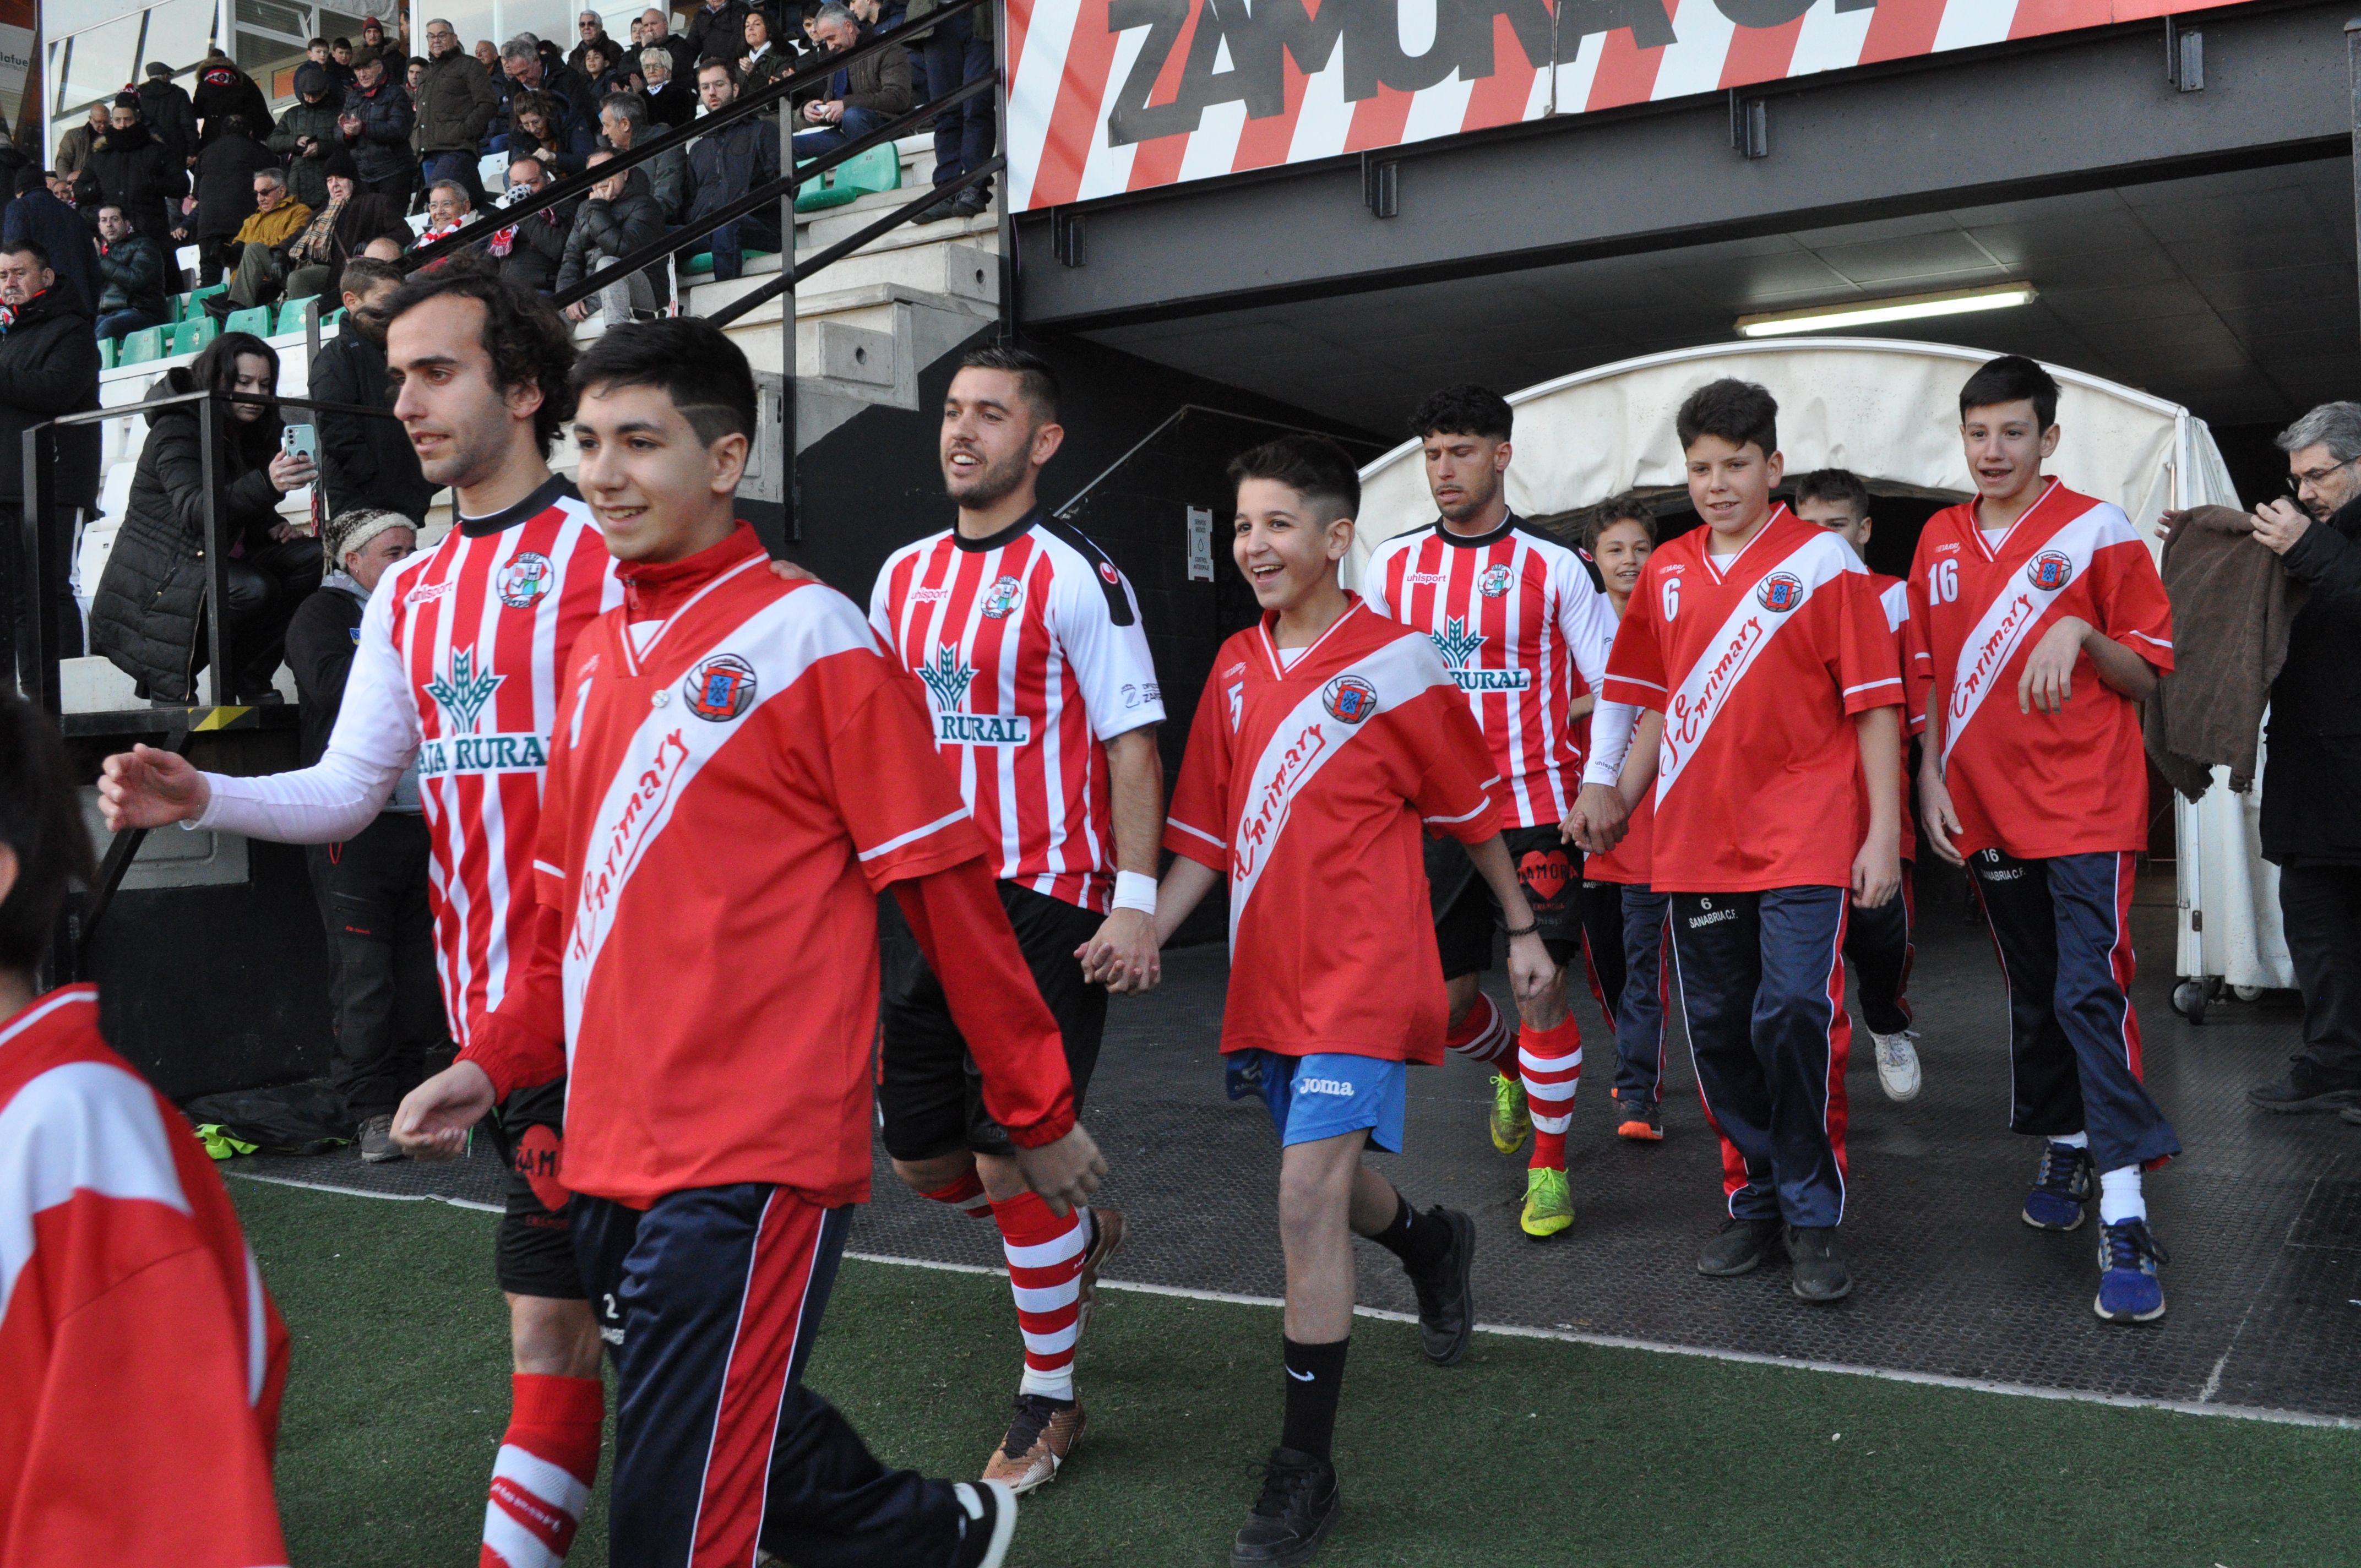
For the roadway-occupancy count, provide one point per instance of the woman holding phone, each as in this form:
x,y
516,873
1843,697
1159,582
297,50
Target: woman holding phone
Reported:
x,y
149,615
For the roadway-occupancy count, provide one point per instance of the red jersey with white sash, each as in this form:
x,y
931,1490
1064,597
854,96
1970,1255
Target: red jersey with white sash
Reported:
x,y
1310,786
1524,631
482,627
1758,665
1030,649
730,787
142,1358
2037,784
1894,598
1627,862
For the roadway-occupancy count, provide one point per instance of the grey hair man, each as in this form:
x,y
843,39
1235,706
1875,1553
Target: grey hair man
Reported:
x,y
624,121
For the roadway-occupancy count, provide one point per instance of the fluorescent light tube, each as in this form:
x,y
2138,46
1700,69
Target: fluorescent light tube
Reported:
x,y
1870,313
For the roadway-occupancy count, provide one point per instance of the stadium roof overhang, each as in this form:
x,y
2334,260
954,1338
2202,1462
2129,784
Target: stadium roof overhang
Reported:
x,y
2200,245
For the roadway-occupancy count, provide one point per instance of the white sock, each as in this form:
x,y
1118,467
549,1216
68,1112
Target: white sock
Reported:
x,y
2071,1140
2120,1198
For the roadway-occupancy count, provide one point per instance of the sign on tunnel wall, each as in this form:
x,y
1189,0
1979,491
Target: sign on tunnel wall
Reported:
x,y
1112,95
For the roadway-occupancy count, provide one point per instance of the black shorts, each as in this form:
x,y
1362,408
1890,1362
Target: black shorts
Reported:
x,y
1466,915
929,1093
535,1252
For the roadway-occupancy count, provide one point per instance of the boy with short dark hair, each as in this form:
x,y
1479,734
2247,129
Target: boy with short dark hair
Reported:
x,y
1764,685
2039,624
1326,736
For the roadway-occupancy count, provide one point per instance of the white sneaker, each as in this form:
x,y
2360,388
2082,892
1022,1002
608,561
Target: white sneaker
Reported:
x,y
1897,1064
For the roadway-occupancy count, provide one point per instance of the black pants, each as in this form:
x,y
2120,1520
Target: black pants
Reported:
x,y
60,544
2320,903
398,185
1878,945
964,133
265,586
381,985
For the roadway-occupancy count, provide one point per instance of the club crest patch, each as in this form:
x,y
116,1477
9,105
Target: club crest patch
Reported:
x,y
2050,571
1495,582
720,689
1001,602
525,581
1349,700
1780,592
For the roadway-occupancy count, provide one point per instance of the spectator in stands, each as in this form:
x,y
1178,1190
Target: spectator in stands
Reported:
x,y
372,38
222,90
340,64
388,1003
529,250
764,61
149,612
530,74
624,121
447,207
717,30
591,32
307,132
456,106
602,72
414,77
340,231
655,32
540,130
376,123
857,98
225,170
131,265
73,148
49,366
262,242
957,52
134,169
38,216
365,462
316,51
487,55
620,217
171,117
724,165
670,103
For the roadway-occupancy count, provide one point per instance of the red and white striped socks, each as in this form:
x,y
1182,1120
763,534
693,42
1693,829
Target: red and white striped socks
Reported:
x,y
1045,1272
1484,1035
966,1195
1551,1063
548,1460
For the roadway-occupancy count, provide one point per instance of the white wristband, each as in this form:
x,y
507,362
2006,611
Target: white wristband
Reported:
x,y
1135,890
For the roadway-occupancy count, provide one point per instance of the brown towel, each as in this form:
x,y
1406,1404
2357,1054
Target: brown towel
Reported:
x,y
2232,606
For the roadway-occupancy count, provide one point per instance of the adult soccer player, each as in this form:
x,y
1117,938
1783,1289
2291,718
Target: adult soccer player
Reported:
x,y
143,1359
1524,633
1769,693
1028,641
2044,624
718,1114
1325,737
1877,941
1622,916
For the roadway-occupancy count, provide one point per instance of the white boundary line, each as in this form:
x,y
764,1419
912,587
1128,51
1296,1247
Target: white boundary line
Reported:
x,y
360,1192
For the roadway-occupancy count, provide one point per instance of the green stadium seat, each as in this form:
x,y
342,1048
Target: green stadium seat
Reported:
x,y
291,314
191,336
879,169
140,346
106,354
255,321
702,262
192,302
332,318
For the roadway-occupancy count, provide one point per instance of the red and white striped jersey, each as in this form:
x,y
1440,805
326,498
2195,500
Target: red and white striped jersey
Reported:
x,y
1030,648
2037,784
1758,665
142,1358
1523,630
1310,786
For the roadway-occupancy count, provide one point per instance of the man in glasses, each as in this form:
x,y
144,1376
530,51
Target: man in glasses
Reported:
x,y
2312,772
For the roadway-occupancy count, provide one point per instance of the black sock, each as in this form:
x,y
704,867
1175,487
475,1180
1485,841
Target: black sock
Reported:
x,y
1419,1240
1314,1374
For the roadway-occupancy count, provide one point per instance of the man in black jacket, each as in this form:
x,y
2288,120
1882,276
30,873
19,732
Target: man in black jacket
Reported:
x,y
226,171
37,215
364,461
341,231
222,90
132,266
49,366
170,114
724,165
135,170
375,122
620,217
529,251
2312,772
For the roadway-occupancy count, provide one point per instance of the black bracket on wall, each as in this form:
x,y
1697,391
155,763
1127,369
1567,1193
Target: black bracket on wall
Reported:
x,y
1749,125
2184,56
1066,236
1381,185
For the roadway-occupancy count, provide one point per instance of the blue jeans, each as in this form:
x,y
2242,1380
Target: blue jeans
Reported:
x,y
857,123
963,135
114,323
730,241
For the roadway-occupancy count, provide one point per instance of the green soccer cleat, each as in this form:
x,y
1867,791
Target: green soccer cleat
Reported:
x,y
1511,1122
1548,1206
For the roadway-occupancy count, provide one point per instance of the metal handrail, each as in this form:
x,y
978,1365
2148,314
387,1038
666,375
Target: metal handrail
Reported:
x,y
790,275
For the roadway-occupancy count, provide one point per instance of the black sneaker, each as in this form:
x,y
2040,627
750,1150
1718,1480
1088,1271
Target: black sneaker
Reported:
x,y
377,1146
973,201
937,212
1818,1272
989,1511
1744,1247
2305,1089
1447,1303
1298,1508
2350,1114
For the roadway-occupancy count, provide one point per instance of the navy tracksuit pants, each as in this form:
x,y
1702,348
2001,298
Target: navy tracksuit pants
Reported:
x,y
2062,928
1877,946
711,1299
1761,978
1623,926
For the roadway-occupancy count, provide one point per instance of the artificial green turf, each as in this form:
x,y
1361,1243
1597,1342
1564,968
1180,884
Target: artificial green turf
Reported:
x,y
1531,1453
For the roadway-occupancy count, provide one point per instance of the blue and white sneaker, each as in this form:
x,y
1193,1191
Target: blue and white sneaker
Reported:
x,y
2061,1189
2129,1291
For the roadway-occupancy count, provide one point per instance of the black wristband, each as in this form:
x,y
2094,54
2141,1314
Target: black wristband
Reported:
x,y
1523,930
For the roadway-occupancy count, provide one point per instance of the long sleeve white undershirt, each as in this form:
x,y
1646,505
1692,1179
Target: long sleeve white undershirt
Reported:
x,y
1611,739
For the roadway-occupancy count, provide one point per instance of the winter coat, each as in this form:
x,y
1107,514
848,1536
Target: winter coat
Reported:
x,y
275,229
360,219
151,599
673,107
382,148
578,104
363,462
880,82
2312,773
683,57
609,231
535,248
73,149
455,104
307,177
775,63
225,185
667,178
58,230
135,171
171,116
719,35
222,89
574,142
612,49
726,164
49,366
133,270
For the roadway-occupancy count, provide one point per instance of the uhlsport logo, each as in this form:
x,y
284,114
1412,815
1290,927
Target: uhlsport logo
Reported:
x,y
1460,647
1107,569
462,694
1495,582
1001,602
948,678
720,689
525,581
1349,700
2050,571
1780,591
